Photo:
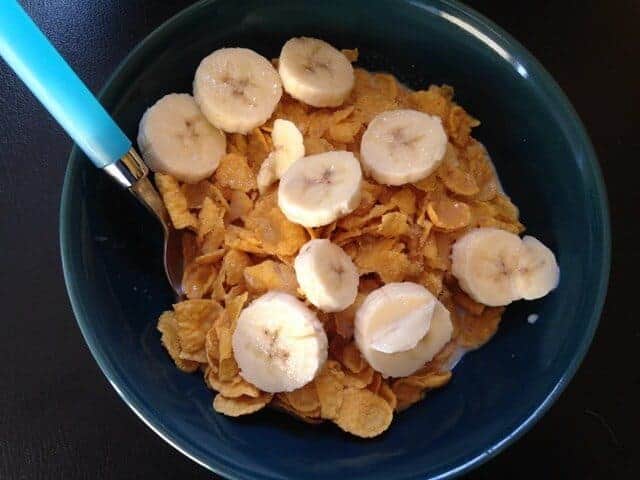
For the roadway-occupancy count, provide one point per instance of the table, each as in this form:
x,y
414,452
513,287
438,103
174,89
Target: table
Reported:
x,y
59,417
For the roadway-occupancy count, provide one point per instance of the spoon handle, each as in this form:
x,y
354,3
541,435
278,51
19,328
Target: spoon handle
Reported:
x,y
28,52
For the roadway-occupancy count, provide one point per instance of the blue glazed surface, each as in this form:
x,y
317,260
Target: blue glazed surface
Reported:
x,y
112,256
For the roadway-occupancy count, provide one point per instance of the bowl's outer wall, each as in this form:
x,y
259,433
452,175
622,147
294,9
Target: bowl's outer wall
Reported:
x,y
112,257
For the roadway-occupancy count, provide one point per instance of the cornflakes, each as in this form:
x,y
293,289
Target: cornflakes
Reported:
x,y
234,263
197,279
378,257
168,327
234,172
304,399
195,193
237,245
449,214
270,275
243,405
176,202
210,219
362,413
239,205
387,394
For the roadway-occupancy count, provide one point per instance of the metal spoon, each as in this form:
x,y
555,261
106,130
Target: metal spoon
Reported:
x,y
28,52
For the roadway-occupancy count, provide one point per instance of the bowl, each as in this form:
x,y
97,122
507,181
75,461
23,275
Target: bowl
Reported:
x,y
111,248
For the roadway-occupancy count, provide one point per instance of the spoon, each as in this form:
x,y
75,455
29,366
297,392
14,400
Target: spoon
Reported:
x,y
28,52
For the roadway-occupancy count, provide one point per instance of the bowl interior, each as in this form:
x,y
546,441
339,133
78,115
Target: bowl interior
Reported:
x,y
112,251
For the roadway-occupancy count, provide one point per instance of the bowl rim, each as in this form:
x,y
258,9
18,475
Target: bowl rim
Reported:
x,y
492,36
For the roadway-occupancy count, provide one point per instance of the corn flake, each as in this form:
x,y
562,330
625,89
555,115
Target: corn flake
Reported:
x,y
362,413
169,329
234,172
175,202
393,225
270,275
234,264
329,386
210,220
304,399
240,205
449,214
197,279
243,405
194,318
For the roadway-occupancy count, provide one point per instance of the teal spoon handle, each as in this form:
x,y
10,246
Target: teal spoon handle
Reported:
x,y
28,52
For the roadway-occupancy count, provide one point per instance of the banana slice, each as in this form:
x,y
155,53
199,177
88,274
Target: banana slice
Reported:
x,y
402,146
288,146
175,138
405,332
315,73
485,261
400,327
537,272
279,344
318,189
326,275
496,267
236,89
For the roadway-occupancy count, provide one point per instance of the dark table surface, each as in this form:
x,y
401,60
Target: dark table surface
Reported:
x,y
59,418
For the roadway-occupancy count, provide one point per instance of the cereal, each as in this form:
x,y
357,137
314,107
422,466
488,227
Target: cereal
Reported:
x,y
197,279
393,225
175,201
195,193
280,402
270,275
314,145
359,379
234,264
234,172
406,394
363,413
239,205
243,405
463,300
352,359
238,245
276,234
193,319
210,219
304,399
456,179
474,331
234,388
168,327
381,258
387,394
405,200
449,214
329,386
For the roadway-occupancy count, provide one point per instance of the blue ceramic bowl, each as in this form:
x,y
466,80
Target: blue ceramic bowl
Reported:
x,y
112,257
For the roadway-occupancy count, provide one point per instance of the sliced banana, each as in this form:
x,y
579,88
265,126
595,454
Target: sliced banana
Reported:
x,y
402,146
236,89
405,332
318,189
174,137
315,73
279,344
484,261
401,326
326,275
496,267
288,146
537,272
